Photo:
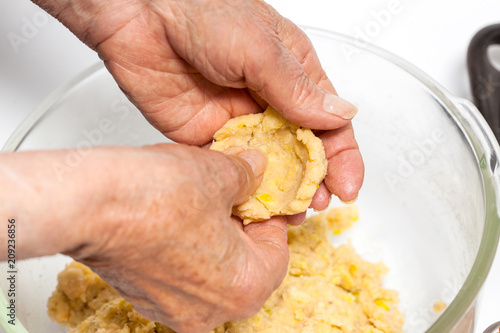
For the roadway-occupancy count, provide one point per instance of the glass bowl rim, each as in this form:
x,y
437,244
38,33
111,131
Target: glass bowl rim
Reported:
x,y
491,232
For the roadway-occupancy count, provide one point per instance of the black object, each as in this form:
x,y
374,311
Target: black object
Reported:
x,y
484,78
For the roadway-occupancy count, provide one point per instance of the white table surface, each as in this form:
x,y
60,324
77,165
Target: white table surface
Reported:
x,y
431,34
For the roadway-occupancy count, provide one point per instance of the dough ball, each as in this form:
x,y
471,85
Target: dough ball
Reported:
x,y
296,163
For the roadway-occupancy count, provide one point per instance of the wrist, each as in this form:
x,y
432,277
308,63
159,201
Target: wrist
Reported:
x,y
53,211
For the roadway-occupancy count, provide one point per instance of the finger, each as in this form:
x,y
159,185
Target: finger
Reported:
x,y
296,219
345,165
285,86
282,81
245,174
301,46
298,42
321,198
269,242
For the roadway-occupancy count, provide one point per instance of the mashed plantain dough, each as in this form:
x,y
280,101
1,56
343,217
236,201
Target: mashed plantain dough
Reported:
x,y
326,290
296,163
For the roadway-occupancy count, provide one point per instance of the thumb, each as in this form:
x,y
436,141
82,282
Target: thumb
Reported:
x,y
269,242
248,166
282,81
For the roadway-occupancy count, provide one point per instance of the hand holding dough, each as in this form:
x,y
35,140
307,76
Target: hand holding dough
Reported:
x,y
296,163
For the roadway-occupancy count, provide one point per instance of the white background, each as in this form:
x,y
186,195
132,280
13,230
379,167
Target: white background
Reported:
x,y
431,34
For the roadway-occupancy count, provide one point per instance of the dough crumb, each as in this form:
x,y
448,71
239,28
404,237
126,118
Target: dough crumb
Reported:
x,y
438,306
296,163
327,289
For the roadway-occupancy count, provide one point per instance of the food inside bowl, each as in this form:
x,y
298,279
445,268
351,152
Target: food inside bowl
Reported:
x,y
326,289
429,195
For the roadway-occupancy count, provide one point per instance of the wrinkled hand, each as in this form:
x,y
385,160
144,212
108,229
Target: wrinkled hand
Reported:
x,y
190,65
176,254
155,223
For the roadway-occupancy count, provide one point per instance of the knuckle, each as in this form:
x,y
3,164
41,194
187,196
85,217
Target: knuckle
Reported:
x,y
302,90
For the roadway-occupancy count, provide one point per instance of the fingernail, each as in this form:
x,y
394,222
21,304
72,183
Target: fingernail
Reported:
x,y
256,159
338,106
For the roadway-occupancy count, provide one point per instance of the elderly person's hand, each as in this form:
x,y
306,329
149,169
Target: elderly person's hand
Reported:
x,y
155,223
190,65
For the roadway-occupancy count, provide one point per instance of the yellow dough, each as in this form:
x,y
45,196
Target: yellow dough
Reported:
x,y
326,290
79,294
296,163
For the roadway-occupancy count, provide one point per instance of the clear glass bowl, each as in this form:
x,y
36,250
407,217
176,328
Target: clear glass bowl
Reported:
x,y
428,208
